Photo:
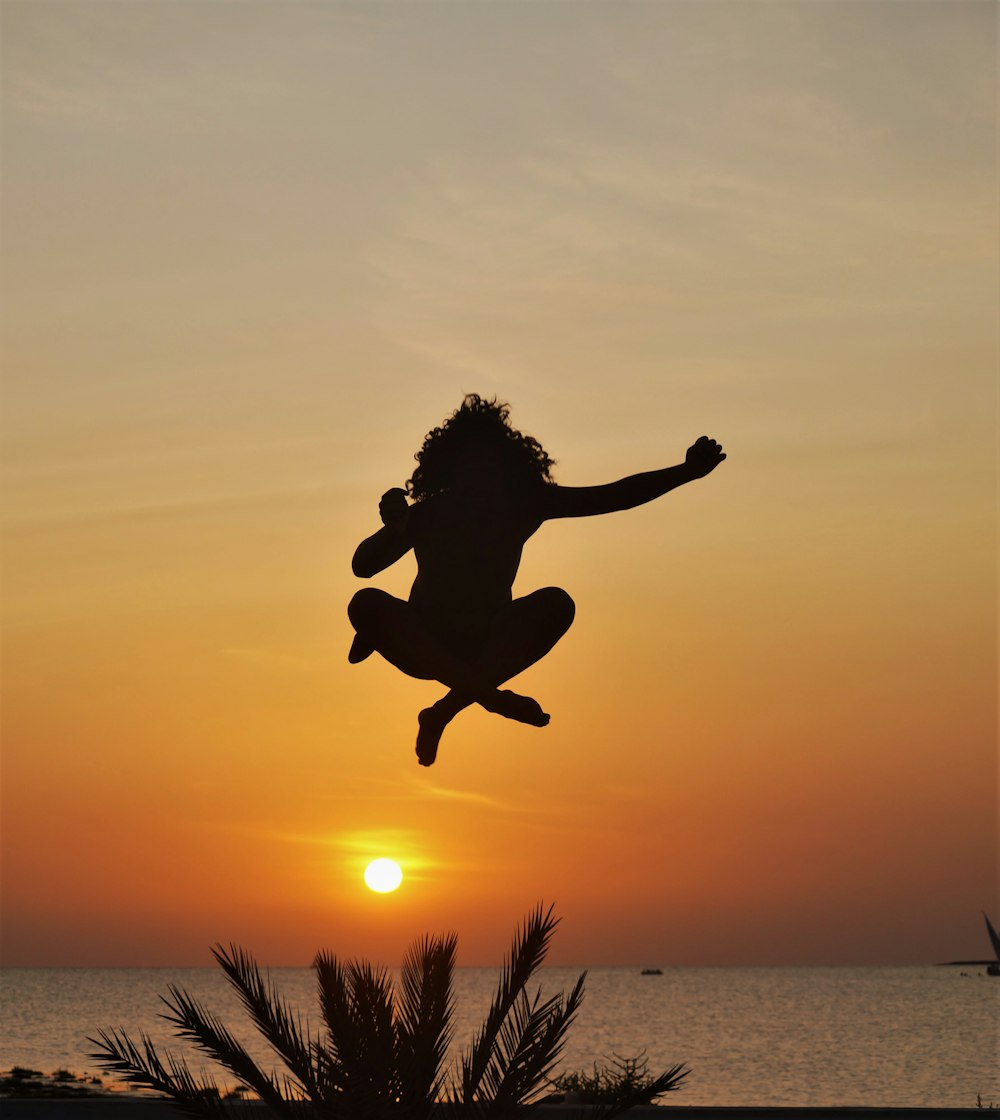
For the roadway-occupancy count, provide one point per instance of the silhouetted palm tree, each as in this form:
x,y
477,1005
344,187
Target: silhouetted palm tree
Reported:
x,y
382,1053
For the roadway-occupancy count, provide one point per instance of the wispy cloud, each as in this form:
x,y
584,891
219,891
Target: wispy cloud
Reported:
x,y
468,796
191,507
413,849
269,658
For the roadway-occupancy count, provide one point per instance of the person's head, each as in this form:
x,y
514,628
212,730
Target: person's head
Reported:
x,y
477,446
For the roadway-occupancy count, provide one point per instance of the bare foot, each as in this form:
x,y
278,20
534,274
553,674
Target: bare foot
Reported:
x,y
432,722
514,706
360,649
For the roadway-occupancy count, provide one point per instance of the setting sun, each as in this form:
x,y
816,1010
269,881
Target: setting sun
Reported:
x,y
383,875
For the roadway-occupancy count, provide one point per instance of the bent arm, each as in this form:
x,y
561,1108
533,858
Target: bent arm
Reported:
x,y
626,493
380,551
393,540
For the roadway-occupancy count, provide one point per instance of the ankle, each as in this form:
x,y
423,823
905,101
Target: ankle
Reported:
x,y
451,704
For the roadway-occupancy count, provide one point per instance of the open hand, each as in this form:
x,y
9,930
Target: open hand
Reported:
x,y
392,508
703,456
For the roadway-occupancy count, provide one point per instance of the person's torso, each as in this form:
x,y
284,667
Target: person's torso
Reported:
x,y
468,547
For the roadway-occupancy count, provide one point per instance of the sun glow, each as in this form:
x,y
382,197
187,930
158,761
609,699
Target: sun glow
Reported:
x,y
383,875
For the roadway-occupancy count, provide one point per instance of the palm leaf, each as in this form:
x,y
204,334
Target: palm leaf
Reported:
x,y
336,1011
547,1044
424,1022
529,1046
210,1035
118,1054
271,1016
372,1084
514,1039
356,1002
531,942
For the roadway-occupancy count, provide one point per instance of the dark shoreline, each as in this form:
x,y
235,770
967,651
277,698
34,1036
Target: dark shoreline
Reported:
x,y
131,1108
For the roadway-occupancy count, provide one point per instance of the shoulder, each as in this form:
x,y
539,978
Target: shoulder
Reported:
x,y
556,501
533,505
422,514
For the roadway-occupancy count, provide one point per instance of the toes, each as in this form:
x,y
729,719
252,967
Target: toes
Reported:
x,y
360,649
428,737
426,753
523,709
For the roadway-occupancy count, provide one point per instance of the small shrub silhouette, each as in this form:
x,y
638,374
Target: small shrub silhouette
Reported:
x,y
620,1083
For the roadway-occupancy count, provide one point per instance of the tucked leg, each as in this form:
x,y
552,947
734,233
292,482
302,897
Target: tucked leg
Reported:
x,y
524,632
521,634
391,626
398,632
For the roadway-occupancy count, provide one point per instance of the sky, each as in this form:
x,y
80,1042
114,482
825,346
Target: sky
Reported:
x,y
252,253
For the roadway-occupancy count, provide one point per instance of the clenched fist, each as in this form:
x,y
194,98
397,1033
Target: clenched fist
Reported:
x,y
392,508
703,456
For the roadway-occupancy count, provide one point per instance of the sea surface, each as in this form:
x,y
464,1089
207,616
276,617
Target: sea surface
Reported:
x,y
897,1037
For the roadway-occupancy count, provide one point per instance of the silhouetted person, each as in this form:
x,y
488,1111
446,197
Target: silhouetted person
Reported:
x,y
480,490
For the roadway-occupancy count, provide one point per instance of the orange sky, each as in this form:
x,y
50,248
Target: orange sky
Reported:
x,y
252,254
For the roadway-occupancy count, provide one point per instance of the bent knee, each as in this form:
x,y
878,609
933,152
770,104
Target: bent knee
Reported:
x,y
560,604
364,604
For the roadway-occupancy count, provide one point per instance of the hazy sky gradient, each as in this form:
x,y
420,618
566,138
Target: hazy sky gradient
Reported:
x,y
253,252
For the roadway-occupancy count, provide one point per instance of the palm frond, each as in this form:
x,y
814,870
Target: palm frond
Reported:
x,y
529,1046
356,1001
547,1045
531,942
424,1012
372,1085
335,1007
271,1015
514,1039
118,1054
327,1074
210,1035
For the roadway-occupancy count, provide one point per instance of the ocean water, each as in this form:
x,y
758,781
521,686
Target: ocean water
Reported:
x,y
897,1037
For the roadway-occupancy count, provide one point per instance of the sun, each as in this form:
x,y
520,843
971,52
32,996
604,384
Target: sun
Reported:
x,y
383,875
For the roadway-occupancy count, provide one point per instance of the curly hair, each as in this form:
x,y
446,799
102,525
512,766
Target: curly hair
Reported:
x,y
478,422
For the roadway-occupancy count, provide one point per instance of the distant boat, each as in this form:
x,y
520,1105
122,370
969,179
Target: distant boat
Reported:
x,y
993,968
659,971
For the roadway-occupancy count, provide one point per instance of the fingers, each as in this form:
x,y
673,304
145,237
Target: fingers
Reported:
x,y
704,455
393,505
706,445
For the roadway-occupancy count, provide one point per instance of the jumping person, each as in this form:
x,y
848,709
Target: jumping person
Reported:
x,y
480,490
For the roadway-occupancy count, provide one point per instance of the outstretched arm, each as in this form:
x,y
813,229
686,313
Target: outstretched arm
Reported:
x,y
587,501
393,540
